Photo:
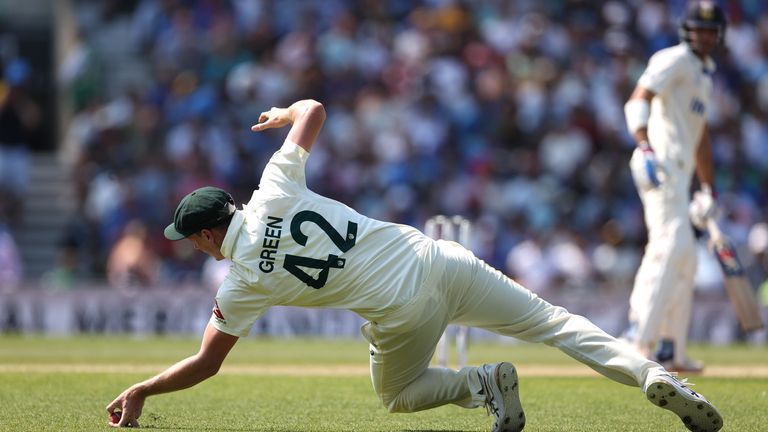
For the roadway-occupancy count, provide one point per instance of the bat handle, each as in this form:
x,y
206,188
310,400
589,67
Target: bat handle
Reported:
x,y
714,231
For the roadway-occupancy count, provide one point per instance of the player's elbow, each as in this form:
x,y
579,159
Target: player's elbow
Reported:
x,y
210,371
315,110
208,367
314,118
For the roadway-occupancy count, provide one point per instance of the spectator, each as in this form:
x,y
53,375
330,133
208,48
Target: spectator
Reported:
x,y
65,274
521,99
11,270
19,116
132,264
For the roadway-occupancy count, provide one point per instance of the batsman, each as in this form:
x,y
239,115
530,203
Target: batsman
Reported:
x,y
666,115
291,246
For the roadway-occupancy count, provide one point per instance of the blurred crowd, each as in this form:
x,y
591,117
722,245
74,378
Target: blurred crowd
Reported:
x,y
508,112
20,121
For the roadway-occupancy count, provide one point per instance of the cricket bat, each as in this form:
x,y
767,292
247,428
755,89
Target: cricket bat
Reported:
x,y
737,286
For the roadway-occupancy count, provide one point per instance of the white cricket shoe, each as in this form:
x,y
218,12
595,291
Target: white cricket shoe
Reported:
x,y
500,387
696,412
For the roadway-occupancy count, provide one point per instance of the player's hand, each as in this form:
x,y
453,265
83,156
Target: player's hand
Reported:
x,y
272,119
703,207
129,404
653,169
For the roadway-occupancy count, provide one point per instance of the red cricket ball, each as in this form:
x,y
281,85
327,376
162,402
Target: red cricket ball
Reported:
x,y
114,418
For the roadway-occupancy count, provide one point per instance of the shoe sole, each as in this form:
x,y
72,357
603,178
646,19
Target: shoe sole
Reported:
x,y
514,417
697,414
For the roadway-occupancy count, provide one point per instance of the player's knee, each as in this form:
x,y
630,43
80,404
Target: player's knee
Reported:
x,y
388,402
394,404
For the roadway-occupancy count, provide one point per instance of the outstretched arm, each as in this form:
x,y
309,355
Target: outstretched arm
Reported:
x,y
186,373
307,117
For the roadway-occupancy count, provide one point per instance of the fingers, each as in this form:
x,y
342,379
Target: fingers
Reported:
x,y
269,124
125,410
113,410
264,122
117,419
115,404
272,119
131,411
123,419
128,422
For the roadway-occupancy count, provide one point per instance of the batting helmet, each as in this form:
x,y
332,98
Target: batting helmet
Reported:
x,y
704,14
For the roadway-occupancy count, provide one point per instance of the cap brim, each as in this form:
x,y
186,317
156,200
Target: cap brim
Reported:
x,y
171,233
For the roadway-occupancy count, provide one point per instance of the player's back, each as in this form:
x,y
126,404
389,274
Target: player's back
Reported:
x,y
291,246
314,251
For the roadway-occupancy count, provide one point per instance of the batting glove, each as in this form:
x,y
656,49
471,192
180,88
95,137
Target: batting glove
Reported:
x,y
653,169
703,207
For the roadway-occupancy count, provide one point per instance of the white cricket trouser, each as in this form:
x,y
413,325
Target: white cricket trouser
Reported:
x,y
470,292
660,304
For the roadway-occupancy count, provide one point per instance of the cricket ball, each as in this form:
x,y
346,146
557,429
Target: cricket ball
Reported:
x,y
114,418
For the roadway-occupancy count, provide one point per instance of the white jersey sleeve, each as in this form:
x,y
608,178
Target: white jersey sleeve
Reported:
x,y
238,306
285,175
662,73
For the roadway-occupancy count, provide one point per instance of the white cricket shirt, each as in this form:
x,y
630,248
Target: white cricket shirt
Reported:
x,y
683,87
291,246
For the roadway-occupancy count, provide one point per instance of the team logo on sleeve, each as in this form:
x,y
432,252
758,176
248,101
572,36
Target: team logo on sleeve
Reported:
x,y
217,312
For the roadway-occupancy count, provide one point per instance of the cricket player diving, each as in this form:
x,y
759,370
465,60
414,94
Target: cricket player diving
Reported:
x,y
666,115
291,246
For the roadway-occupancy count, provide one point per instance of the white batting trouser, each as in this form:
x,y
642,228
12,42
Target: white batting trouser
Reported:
x,y
660,304
468,291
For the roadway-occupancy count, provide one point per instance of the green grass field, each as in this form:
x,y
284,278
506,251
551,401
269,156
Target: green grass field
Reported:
x,y
322,385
